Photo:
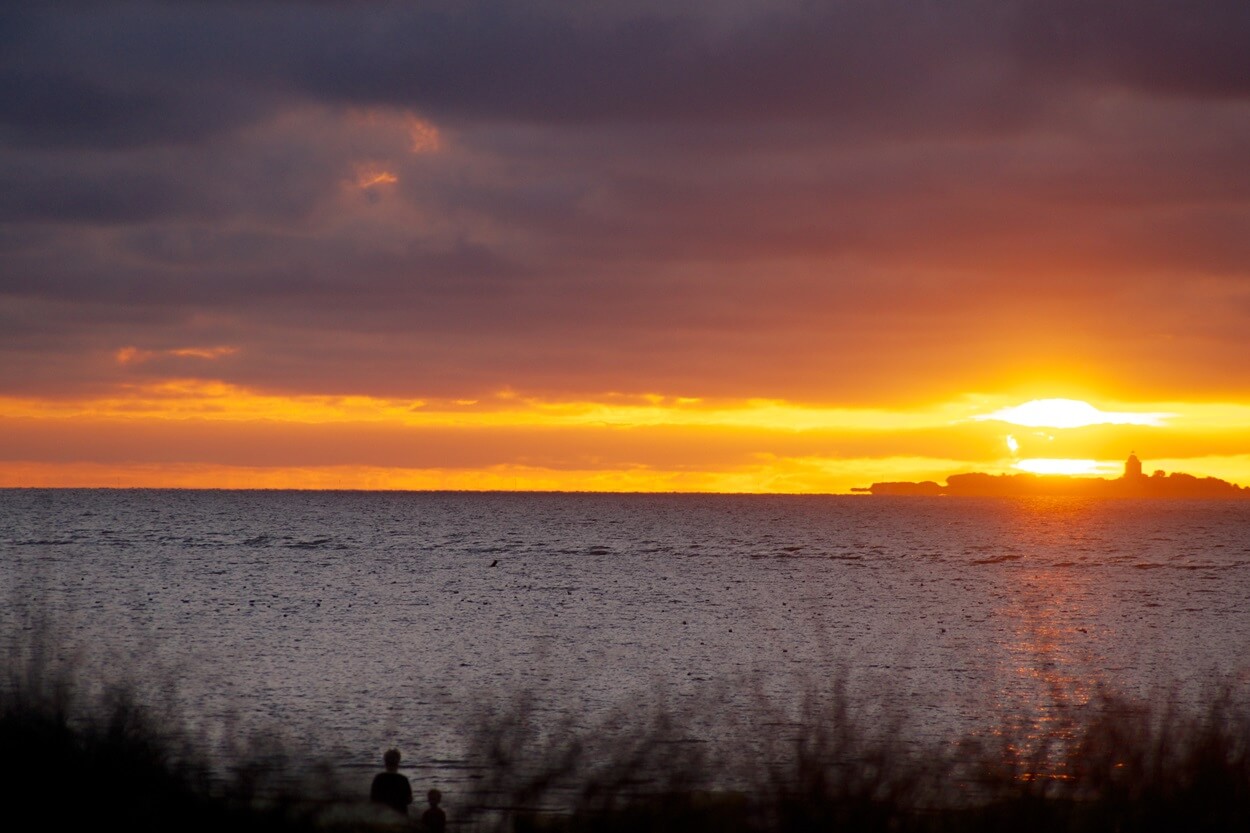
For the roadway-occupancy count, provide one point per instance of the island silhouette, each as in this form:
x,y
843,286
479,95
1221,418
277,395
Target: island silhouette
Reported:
x,y
1133,483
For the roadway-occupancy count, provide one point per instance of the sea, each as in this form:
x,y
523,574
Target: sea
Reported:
x,y
344,623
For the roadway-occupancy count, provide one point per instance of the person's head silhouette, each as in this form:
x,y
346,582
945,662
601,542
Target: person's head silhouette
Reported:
x,y
434,820
391,760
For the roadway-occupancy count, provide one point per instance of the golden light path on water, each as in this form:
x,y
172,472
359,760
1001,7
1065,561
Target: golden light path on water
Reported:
x,y
1047,654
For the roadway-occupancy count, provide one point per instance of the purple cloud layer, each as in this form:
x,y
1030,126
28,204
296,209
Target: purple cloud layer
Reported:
x,y
838,201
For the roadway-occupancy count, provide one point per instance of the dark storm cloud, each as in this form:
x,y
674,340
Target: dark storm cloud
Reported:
x,y
1153,45
114,73
107,197
141,72
627,196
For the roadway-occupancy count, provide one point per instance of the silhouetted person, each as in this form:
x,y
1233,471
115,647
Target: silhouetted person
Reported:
x,y
391,788
434,820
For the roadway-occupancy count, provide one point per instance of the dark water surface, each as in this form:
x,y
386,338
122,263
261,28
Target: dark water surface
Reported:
x,y
359,620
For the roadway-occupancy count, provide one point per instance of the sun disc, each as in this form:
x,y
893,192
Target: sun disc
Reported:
x,y
1068,413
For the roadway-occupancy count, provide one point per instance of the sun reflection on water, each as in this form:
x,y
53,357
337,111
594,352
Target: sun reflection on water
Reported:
x,y
1050,675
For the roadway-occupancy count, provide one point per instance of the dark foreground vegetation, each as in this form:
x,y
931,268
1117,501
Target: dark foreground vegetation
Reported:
x,y
82,757
85,759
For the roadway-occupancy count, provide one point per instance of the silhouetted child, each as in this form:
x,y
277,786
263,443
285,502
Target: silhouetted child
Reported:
x,y
391,788
434,820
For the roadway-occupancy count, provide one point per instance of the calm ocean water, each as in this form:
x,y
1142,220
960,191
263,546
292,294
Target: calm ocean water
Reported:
x,y
355,621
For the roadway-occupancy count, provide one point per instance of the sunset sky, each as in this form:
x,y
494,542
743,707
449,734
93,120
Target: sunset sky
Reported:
x,y
721,245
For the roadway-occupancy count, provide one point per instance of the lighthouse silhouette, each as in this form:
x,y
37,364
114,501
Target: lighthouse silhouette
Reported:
x,y
1132,467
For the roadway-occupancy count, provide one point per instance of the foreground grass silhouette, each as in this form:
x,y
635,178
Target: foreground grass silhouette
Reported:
x,y
1116,765
74,760
79,756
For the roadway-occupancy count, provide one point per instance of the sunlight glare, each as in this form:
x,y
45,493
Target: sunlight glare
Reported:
x,y
1047,465
1068,413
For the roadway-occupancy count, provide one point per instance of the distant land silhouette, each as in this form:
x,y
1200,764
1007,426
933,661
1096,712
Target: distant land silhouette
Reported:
x,y
1133,483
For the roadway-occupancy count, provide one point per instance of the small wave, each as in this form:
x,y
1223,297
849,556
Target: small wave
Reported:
x,y
998,559
313,544
44,542
257,541
190,541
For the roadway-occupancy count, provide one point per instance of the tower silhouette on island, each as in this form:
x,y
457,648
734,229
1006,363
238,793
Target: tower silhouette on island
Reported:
x,y
1132,484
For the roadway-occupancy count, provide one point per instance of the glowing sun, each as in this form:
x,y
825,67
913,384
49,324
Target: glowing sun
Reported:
x,y
1068,413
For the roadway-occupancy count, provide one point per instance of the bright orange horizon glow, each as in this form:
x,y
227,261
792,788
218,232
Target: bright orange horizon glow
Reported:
x,y
209,434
